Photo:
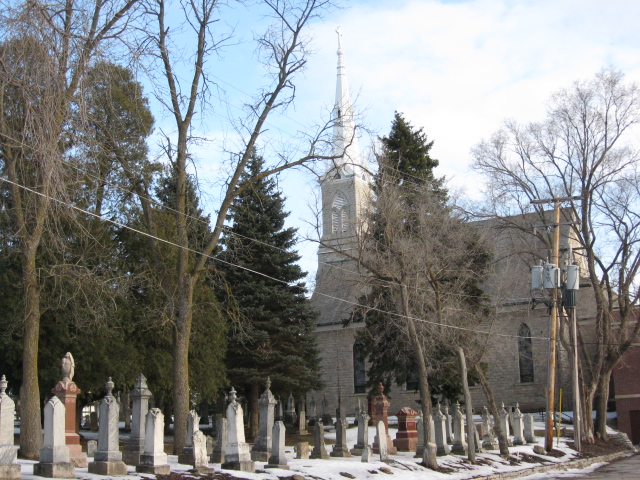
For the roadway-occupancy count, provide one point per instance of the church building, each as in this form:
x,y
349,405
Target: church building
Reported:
x,y
518,339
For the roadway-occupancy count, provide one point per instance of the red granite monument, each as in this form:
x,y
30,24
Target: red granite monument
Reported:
x,y
67,391
380,408
407,436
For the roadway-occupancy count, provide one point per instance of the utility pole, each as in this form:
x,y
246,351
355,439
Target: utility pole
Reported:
x,y
552,281
569,302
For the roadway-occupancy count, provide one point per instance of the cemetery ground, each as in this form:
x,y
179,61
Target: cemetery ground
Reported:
x,y
563,462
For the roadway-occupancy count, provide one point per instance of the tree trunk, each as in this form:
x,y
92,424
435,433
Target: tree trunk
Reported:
x,y
30,414
587,414
254,409
182,334
503,443
471,426
429,458
601,404
126,407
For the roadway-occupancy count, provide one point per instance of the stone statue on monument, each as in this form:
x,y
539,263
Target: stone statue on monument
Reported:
x,y
68,367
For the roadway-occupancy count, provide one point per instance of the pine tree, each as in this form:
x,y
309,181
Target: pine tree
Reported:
x,y
405,162
406,153
272,338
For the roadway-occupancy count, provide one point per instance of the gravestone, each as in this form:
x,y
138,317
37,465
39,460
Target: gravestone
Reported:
x,y
193,425
92,448
313,407
108,459
529,432
459,443
93,421
67,391
200,457
518,427
340,409
219,451
134,447
476,444
319,450
420,430
440,433
380,408
261,450
366,450
382,436
302,418
279,411
407,437
290,416
327,419
278,458
237,456
9,468
210,444
302,450
363,433
447,424
340,448
55,461
504,423
153,460
488,439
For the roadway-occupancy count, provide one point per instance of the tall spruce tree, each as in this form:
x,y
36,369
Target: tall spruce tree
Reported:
x,y
406,152
404,160
272,338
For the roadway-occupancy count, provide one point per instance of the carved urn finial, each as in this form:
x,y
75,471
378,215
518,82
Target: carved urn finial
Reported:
x,y
3,385
109,386
268,383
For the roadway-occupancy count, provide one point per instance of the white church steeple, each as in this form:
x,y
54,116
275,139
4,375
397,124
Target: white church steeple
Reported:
x,y
345,184
345,141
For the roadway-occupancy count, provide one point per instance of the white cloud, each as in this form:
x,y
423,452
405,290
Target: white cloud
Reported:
x,y
455,68
459,68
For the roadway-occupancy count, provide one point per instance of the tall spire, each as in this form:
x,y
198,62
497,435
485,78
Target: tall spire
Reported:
x,y
345,141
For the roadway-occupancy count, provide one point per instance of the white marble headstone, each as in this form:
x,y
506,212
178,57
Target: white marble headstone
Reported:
x,y
199,442
382,441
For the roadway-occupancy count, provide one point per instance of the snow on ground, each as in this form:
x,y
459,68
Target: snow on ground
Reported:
x,y
403,464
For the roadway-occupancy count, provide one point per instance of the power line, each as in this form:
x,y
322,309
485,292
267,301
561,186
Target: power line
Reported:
x,y
168,242
229,230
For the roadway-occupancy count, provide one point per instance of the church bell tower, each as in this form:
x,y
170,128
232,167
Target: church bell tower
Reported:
x,y
345,195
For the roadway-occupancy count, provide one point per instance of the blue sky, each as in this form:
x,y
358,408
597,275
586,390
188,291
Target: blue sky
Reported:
x,y
456,68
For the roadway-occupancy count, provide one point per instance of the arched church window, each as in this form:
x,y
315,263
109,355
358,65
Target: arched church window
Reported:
x,y
339,214
525,354
359,369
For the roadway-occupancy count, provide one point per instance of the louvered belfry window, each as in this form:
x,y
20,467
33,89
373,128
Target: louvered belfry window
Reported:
x,y
339,214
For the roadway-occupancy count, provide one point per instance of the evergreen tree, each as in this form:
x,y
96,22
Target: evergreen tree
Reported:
x,y
406,154
272,338
405,162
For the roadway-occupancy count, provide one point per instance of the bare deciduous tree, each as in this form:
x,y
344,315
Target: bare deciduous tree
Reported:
x,y
585,148
419,260
283,49
47,48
